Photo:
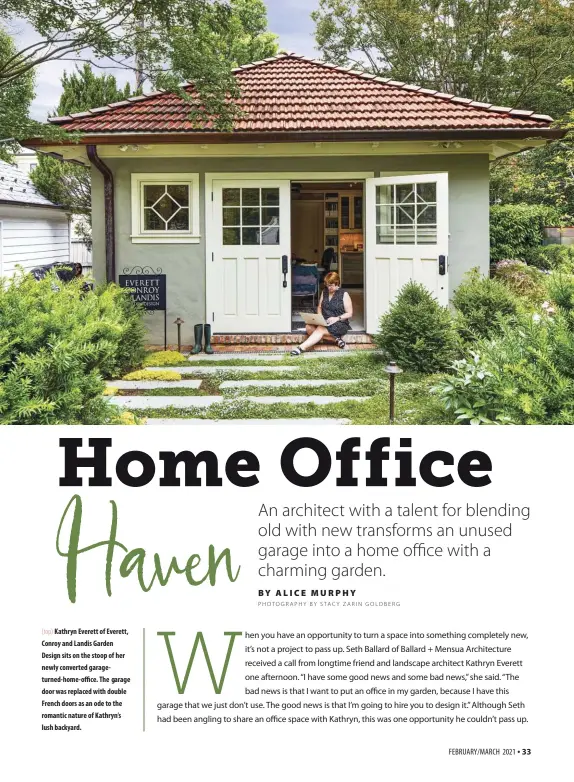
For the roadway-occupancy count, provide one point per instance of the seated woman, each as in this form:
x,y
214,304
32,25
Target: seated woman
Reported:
x,y
336,307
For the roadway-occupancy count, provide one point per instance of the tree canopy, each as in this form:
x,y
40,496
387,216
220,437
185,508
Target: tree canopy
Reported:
x,y
243,39
507,52
68,184
147,36
15,100
83,89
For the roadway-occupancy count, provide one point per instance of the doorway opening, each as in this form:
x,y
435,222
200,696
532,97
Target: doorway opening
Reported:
x,y
327,234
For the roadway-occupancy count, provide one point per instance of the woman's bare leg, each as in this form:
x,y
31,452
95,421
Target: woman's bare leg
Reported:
x,y
314,337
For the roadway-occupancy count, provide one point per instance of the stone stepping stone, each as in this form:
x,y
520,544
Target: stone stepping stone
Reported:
x,y
141,385
159,402
223,357
302,400
230,356
214,370
289,383
248,421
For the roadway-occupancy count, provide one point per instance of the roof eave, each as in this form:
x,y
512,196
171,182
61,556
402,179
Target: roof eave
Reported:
x,y
9,202
214,137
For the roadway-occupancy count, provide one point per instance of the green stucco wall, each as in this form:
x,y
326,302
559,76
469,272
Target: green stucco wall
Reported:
x,y
184,264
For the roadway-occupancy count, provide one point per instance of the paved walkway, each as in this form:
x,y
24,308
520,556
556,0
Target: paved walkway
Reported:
x,y
211,393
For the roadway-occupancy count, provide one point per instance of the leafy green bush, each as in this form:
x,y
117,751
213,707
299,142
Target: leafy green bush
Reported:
x,y
552,257
417,332
526,282
482,304
526,375
468,393
561,290
515,229
57,343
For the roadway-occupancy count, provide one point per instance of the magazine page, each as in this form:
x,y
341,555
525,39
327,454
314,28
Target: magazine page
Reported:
x,y
286,388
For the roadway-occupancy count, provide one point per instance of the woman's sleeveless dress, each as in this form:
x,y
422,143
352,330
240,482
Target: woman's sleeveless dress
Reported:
x,y
332,309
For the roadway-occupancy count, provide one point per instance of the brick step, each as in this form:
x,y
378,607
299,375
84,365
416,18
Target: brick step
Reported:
x,y
288,338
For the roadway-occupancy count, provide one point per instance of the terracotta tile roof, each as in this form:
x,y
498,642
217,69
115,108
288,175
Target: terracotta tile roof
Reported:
x,y
290,93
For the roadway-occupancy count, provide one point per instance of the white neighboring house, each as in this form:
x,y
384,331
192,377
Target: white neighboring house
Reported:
x,y
25,160
33,230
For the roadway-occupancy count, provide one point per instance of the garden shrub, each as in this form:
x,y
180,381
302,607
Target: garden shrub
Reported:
x,y
122,322
525,375
515,229
552,257
526,282
164,358
148,374
560,289
417,332
57,343
482,304
468,393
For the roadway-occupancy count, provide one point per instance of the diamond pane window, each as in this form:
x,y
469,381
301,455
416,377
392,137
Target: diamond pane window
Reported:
x,y
254,214
406,214
166,207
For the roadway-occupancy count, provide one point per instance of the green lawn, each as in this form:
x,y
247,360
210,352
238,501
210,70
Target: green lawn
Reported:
x,y
414,402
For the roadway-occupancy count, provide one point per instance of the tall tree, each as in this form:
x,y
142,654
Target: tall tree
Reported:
x,y
82,90
68,184
507,52
243,39
127,32
15,100
540,176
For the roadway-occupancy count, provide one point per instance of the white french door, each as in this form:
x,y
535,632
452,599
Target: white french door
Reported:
x,y
249,276
406,225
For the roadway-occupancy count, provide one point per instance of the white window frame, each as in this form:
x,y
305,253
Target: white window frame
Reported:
x,y
141,236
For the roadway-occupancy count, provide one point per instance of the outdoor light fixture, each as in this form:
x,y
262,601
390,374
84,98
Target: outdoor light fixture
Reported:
x,y
392,369
179,322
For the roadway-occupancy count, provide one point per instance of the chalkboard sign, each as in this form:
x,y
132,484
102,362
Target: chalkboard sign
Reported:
x,y
149,290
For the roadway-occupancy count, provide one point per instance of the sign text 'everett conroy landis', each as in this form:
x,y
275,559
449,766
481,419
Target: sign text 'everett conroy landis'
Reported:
x,y
149,291
137,468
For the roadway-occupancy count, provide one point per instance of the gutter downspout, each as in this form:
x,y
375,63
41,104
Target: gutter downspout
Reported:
x,y
109,216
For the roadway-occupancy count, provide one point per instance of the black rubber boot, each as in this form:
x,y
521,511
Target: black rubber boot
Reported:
x,y
207,332
198,336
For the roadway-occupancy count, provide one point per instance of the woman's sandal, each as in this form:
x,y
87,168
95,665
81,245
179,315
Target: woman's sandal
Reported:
x,y
341,344
296,352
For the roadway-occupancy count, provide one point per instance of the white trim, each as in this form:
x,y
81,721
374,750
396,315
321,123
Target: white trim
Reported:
x,y
372,310
297,176
138,235
1,250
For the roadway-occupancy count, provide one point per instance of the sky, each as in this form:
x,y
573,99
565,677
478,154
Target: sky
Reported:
x,y
289,19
